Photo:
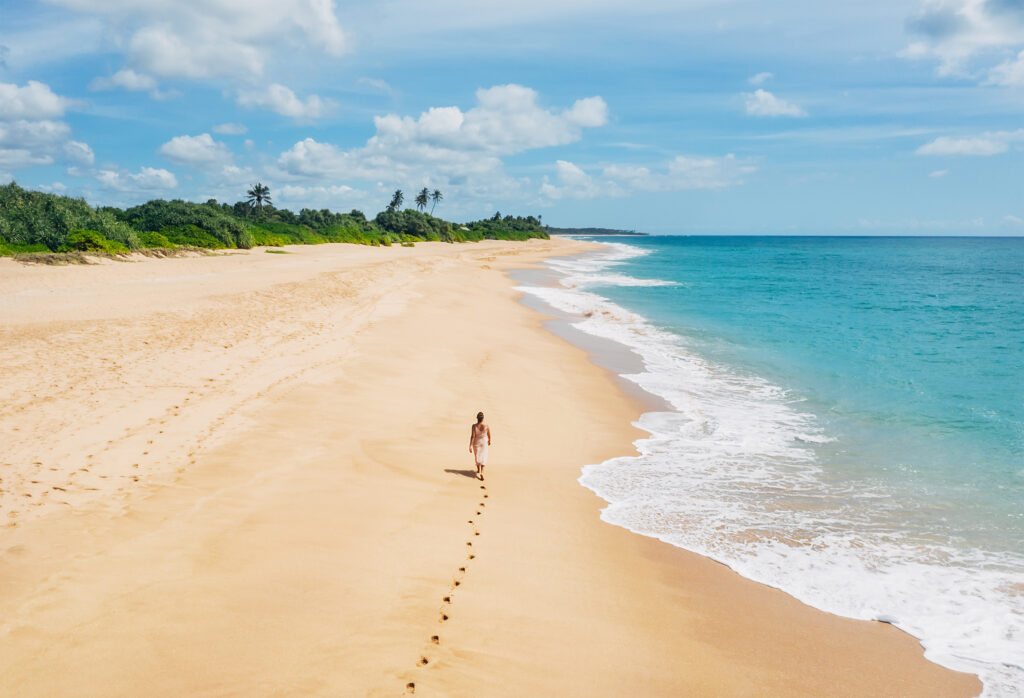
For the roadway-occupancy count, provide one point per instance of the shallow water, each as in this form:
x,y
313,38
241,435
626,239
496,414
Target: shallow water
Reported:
x,y
847,422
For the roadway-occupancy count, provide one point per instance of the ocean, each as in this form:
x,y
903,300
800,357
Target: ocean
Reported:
x,y
846,423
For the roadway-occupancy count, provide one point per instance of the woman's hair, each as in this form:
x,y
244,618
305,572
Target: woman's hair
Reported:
x,y
479,417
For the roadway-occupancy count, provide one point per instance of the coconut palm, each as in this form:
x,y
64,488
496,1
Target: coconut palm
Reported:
x,y
258,194
422,198
396,200
435,197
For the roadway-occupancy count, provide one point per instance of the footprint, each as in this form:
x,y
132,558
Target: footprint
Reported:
x,y
424,661
447,599
471,557
485,497
410,687
462,569
476,533
468,542
444,617
457,582
435,639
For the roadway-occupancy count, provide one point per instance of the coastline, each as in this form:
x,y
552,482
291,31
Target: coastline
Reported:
x,y
306,546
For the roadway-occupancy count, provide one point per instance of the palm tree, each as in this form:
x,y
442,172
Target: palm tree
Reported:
x,y
396,200
422,198
435,197
259,194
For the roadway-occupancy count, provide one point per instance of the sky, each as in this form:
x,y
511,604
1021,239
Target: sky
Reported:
x,y
664,116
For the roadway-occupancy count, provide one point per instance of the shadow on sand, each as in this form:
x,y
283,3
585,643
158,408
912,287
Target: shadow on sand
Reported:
x,y
466,473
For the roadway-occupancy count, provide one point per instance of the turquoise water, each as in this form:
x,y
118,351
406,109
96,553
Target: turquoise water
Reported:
x,y
848,421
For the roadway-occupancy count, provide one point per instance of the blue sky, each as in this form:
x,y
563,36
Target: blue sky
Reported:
x,y
690,116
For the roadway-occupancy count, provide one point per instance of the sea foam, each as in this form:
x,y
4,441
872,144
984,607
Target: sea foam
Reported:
x,y
731,473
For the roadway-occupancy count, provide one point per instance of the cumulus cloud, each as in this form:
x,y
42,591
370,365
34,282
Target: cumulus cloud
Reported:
x,y
448,142
124,79
146,179
79,153
992,143
760,78
196,151
677,174
280,99
29,133
764,103
935,174
199,39
230,129
507,119
955,32
33,101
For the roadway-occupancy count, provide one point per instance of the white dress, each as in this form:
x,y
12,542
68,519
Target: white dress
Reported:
x,y
480,445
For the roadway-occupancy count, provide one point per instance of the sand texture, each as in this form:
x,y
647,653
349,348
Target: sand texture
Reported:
x,y
248,475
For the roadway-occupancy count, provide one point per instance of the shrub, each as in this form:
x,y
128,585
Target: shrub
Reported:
x,y
244,239
91,241
191,236
149,238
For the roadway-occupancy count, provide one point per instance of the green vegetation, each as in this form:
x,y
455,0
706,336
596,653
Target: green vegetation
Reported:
x,y
507,228
36,222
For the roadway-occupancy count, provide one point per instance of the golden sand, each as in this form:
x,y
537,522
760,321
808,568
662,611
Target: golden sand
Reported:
x,y
247,475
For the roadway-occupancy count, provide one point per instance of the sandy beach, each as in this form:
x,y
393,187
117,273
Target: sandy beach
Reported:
x,y
247,474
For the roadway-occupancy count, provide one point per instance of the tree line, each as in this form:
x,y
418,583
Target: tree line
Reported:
x,y
33,221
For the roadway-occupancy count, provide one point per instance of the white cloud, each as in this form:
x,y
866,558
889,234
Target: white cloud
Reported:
x,y
992,143
280,99
760,78
29,135
573,183
938,173
43,134
230,129
1009,73
55,188
506,120
20,158
1015,221
764,103
337,197
230,39
956,32
146,179
79,153
677,174
197,151
124,79
445,143
376,85
33,101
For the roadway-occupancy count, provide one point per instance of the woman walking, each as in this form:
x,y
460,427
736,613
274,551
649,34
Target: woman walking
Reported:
x,y
479,440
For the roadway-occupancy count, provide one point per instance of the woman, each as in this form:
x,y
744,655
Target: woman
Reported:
x,y
479,440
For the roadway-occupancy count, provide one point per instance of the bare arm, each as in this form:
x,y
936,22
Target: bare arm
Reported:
x,y
471,434
488,436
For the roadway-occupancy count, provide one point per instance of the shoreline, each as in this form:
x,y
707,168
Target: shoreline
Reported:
x,y
309,544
